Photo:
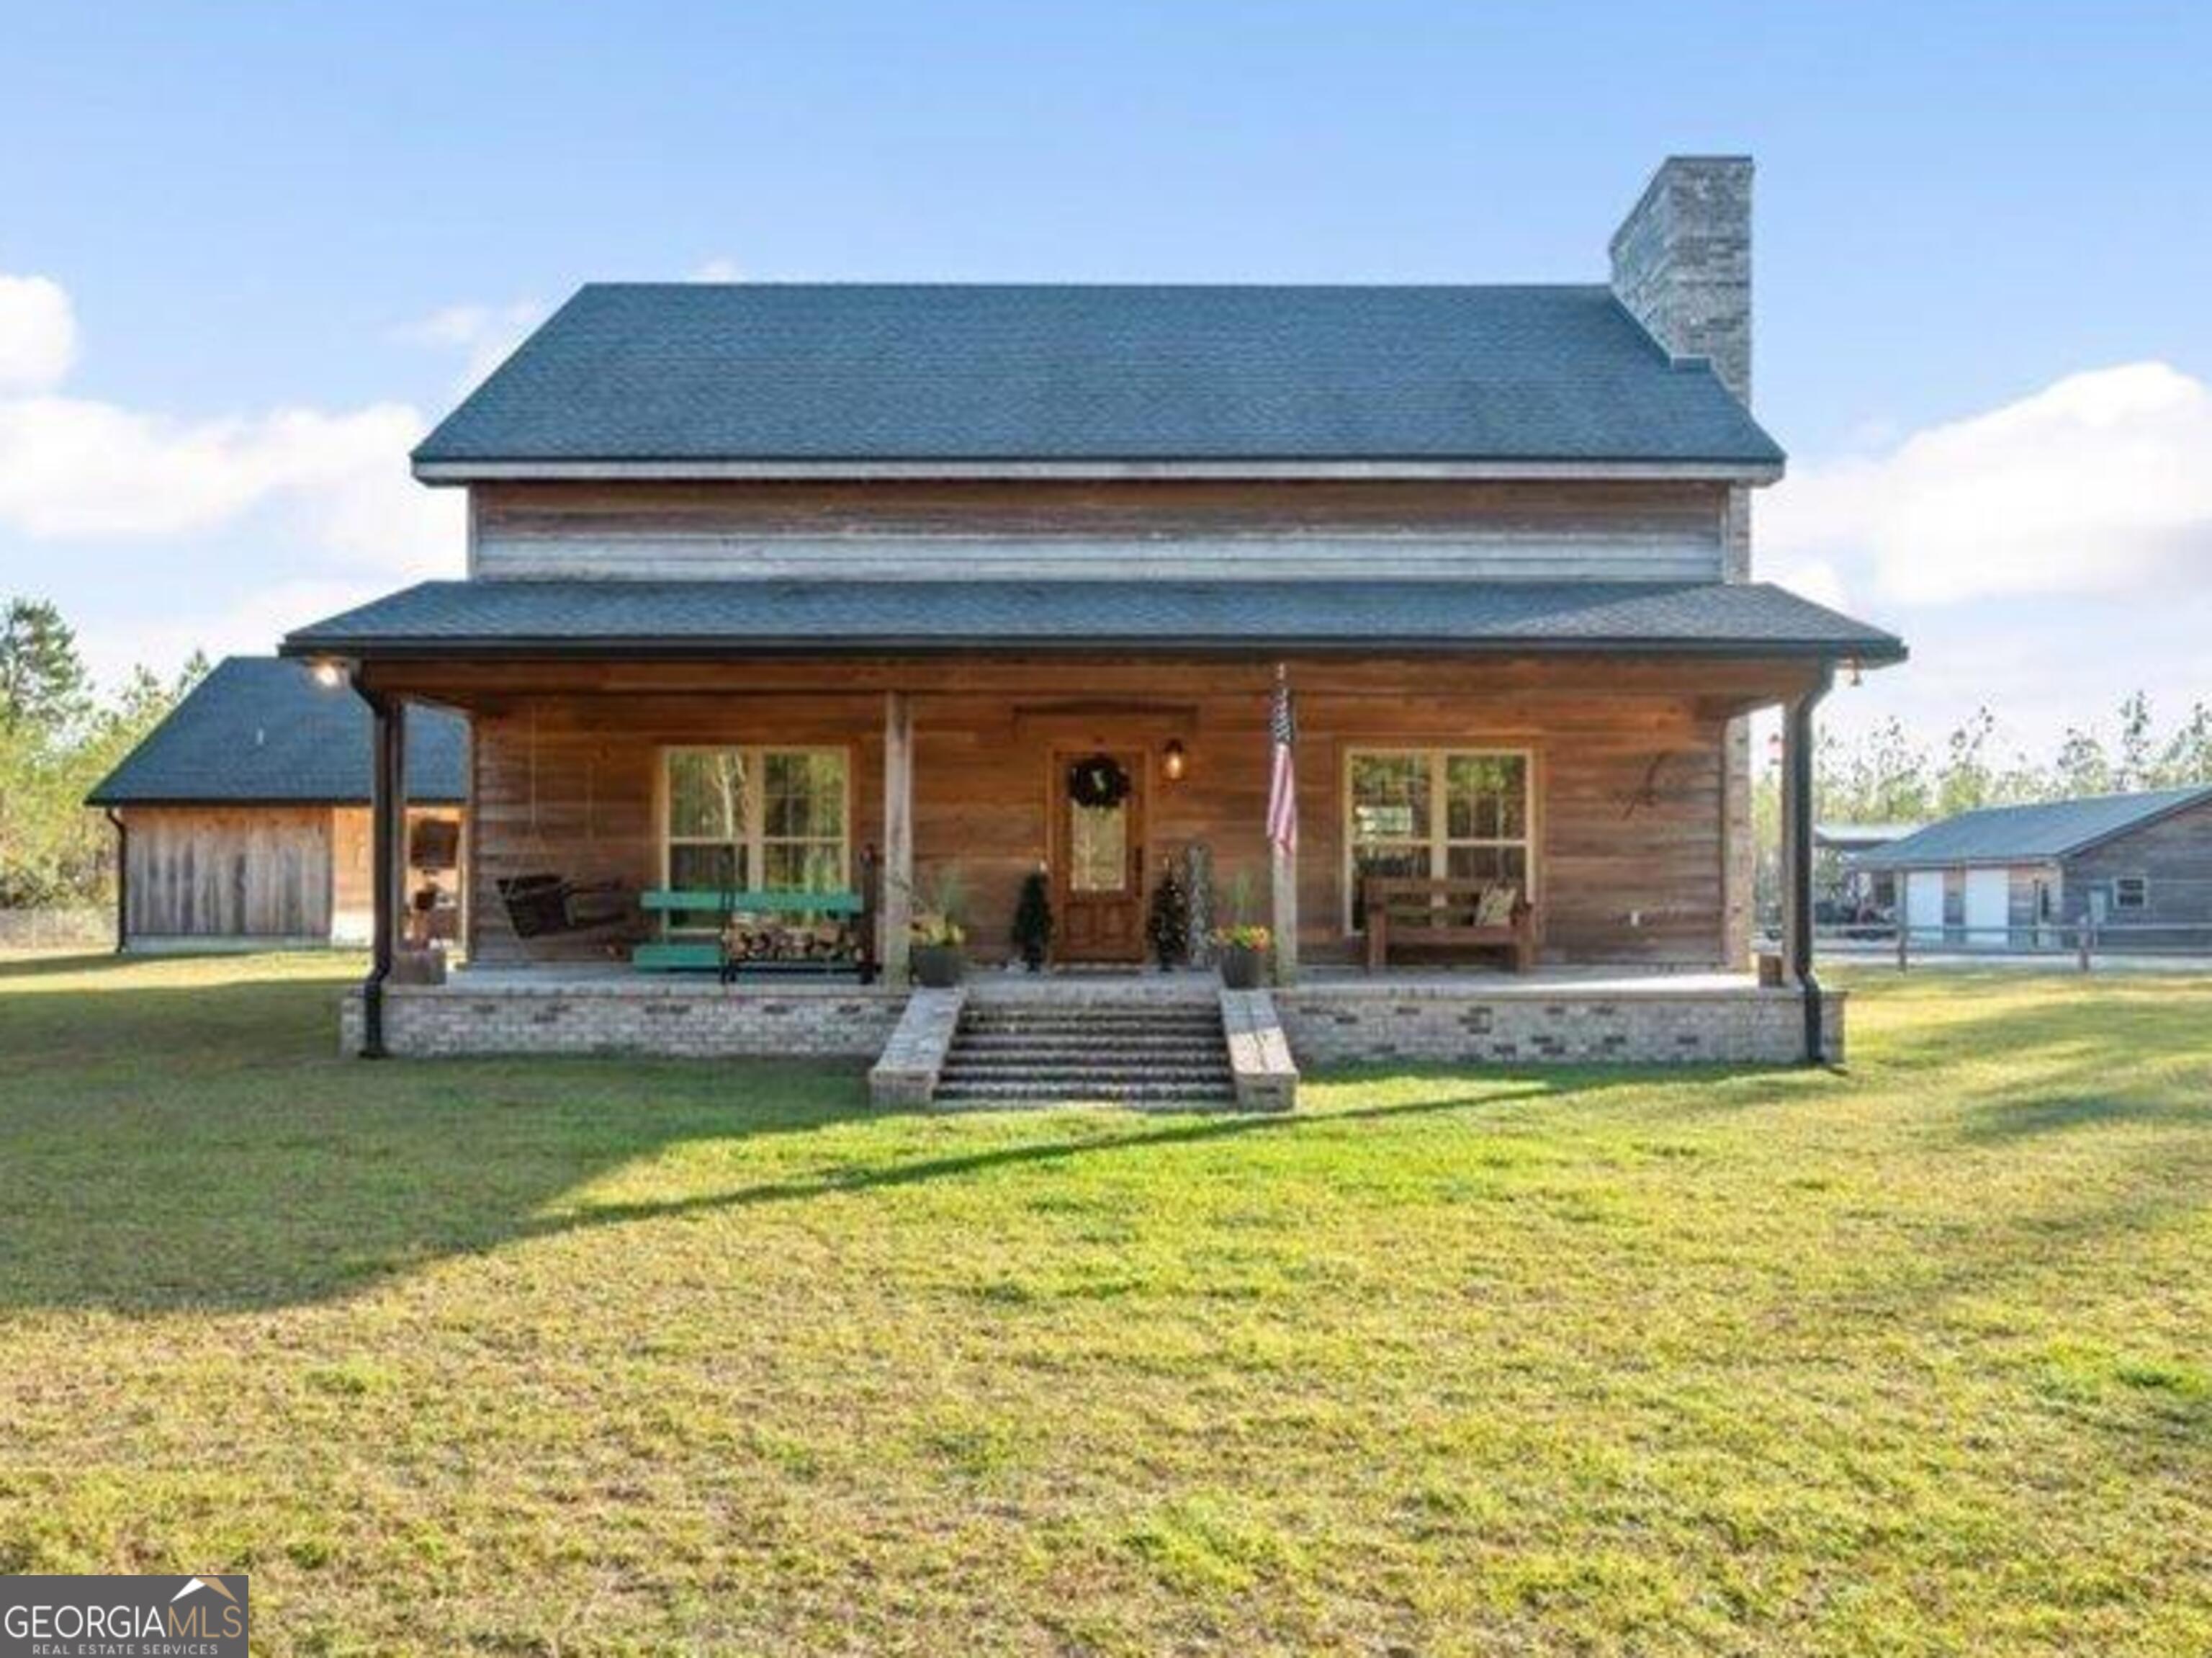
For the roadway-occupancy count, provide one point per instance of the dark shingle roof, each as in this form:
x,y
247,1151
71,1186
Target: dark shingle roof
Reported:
x,y
766,617
2021,834
867,372
260,730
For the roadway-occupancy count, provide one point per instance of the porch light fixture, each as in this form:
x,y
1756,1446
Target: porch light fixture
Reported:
x,y
1174,760
1851,668
328,674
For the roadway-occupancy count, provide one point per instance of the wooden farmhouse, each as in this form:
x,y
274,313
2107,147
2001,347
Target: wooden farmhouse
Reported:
x,y
889,597
243,819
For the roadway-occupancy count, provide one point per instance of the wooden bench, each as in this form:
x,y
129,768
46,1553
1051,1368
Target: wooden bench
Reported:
x,y
1408,910
714,954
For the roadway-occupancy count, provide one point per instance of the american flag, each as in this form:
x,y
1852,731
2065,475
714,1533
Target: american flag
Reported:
x,y
1283,784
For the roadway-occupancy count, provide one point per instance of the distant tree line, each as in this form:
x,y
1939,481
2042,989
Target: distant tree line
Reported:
x,y
1885,776
59,736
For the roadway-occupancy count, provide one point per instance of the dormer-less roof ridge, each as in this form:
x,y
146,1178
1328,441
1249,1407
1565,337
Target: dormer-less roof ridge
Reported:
x,y
888,378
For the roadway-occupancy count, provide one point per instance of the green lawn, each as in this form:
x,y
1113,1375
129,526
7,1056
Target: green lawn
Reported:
x,y
593,1357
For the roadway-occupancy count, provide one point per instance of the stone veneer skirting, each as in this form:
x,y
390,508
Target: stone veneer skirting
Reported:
x,y
1347,1022
1357,1023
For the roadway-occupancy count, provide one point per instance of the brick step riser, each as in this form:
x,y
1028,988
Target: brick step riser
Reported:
x,y
1100,1097
1100,1032
1081,1016
1014,1042
1132,1075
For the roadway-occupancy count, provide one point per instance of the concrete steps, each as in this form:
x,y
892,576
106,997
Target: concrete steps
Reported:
x,y
1163,1055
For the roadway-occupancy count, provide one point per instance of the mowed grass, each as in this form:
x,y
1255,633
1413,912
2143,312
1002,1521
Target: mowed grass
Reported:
x,y
601,1356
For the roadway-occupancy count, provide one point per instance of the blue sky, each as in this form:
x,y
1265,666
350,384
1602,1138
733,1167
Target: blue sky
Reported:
x,y
281,237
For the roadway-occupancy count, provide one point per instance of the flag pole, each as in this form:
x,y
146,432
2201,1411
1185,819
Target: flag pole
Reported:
x,y
1283,869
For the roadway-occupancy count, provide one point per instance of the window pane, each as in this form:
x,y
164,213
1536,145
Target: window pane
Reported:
x,y
1098,848
802,795
804,866
698,866
1496,864
706,794
1381,861
1389,797
1486,797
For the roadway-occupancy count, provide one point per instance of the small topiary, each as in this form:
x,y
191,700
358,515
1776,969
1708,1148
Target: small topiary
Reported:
x,y
1167,927
1033,920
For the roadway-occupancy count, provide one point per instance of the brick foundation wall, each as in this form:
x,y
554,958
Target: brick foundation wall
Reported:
x,y
1324,1024
1335,1025
671,1020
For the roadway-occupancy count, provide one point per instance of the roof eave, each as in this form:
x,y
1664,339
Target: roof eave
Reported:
x,y
1872,652
1752,472
176,802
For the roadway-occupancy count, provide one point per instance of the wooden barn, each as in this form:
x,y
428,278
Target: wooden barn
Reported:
x,y
243,822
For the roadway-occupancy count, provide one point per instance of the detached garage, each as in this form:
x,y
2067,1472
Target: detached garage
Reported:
x,y
2025,877
243,818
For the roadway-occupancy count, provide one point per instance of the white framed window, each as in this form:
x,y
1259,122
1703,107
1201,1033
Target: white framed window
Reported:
x,y
2131,892
754,819
1466,814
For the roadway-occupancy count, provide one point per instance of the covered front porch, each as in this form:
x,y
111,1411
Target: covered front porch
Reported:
x,y
1587,759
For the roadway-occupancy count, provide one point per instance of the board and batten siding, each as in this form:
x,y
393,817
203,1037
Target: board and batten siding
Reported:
x,y
216,873
1180,529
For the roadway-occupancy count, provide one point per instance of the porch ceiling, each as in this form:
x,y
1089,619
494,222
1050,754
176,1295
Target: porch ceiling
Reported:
x,y
622,618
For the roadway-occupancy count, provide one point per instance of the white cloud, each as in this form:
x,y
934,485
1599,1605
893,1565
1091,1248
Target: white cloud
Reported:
x,y
2096,484
719,270
159,533
485,335
37,333
78,468
1815,579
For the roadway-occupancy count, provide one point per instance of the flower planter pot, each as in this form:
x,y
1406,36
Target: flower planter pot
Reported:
x,y
938,966
1241,966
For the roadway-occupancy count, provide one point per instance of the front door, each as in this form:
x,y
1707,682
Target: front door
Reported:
x,y
1098,856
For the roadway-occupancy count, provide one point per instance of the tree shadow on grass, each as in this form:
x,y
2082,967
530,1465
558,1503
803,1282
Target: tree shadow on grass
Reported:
x,y
203,1146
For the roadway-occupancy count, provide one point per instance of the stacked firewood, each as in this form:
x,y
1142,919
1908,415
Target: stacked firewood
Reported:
x,y
754,938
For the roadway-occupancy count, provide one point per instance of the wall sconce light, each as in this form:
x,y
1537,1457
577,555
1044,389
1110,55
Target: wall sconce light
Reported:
x,y
1851,668
328,675
1174,760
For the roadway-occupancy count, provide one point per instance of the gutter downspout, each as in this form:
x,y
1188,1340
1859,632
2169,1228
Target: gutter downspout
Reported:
x,y
1799,748
384,783
122,879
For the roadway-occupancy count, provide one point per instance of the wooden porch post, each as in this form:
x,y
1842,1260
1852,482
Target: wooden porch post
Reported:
x,y
1283,865
897,909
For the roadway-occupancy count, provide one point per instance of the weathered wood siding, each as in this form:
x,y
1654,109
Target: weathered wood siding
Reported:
x,y
1629,761
2175,854
1558,531
353,862
229,873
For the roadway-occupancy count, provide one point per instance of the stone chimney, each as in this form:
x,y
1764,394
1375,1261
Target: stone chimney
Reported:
x,y
1681,263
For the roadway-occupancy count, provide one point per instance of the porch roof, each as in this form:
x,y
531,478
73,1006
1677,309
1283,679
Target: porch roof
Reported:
x,y
778,618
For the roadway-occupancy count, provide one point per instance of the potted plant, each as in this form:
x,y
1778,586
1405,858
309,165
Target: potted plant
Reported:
x,y
939,934
1033,919
1167,924
1243,949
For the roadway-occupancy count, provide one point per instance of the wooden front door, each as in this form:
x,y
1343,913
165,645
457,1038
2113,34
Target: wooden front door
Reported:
x,y
1098,859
